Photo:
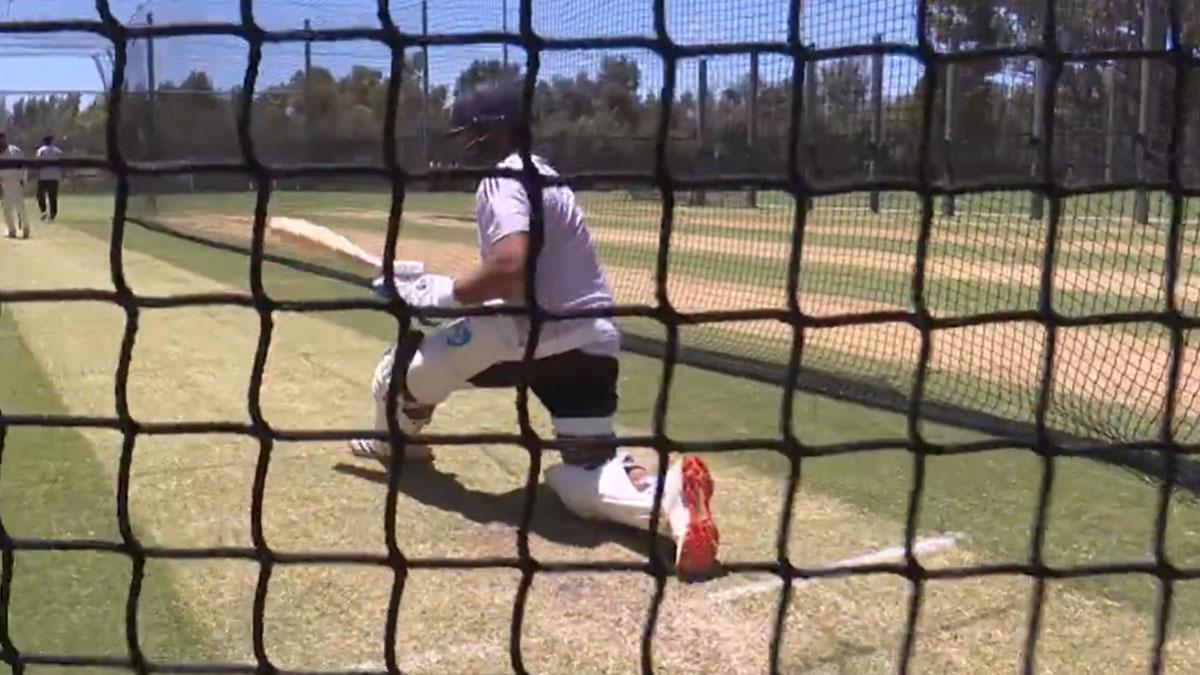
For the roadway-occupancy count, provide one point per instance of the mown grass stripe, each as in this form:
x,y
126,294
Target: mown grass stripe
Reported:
x,y
1098,512
53,485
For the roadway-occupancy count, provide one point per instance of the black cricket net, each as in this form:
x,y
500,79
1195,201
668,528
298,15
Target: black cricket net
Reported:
x,y
891,193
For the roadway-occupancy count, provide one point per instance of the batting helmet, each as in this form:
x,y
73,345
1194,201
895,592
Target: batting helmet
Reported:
x,y
489,116
486,107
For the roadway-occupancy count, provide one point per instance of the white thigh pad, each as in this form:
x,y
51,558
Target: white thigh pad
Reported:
x,y
383,375
458,351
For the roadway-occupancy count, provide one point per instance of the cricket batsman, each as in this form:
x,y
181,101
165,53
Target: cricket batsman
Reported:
x,y
12,182
575,367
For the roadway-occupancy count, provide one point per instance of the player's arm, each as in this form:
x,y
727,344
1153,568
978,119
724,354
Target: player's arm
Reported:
x,y
500,275
503,212
504,223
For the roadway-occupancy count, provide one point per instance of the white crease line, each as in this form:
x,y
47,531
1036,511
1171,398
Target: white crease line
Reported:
x,y
921,546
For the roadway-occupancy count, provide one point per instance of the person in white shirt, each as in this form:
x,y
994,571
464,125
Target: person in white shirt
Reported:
x,y
575,367
12,182
49,178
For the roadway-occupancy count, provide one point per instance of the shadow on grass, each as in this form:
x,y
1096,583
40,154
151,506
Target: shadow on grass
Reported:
x,y
551,520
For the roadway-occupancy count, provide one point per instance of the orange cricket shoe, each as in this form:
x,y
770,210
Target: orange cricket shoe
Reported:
x,y
686,496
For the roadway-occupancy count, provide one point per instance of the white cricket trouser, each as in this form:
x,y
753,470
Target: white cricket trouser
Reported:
x,y
14,208
456,356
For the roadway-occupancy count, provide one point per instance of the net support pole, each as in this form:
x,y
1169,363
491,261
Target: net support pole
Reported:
x,y
810,119
1037,203
699,197
425,153
309,125
99,70
151,89
948,111
152,104
1152,38
504,27
752,126
1110,122
876,119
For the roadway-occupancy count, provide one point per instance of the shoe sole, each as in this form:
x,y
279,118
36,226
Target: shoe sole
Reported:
x,y
425,455
697,556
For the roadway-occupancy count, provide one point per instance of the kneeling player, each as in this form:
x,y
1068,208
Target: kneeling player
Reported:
x,y
574,373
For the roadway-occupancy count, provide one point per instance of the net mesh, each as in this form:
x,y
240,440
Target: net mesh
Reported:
x,y
860,118
982,214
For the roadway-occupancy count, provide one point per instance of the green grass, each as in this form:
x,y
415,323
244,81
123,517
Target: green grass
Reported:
x,y
53,485
283,283
1097,513
1101,418
945,297
302,203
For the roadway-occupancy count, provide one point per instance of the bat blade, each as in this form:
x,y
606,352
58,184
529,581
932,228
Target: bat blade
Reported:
x,y
309,235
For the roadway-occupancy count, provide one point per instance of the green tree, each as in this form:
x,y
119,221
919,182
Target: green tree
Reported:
x,y
484,72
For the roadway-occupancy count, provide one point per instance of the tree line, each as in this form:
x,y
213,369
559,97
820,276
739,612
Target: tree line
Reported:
x,y
983,123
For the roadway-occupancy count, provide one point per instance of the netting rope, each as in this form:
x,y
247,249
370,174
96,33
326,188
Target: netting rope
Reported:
x,y
925,184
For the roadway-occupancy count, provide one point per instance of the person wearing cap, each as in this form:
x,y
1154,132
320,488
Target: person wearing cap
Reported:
x,y
574,369
49,178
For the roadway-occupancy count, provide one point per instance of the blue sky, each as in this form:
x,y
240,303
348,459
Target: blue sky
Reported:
x,y
66,63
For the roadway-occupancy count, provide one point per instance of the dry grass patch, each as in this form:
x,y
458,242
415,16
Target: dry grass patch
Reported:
x,y
970,351
194,489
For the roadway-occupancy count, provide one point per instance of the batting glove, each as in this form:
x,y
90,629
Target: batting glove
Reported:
x,y
405,272
427,290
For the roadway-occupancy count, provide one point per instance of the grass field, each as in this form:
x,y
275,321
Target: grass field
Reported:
x,y
987,259
194,365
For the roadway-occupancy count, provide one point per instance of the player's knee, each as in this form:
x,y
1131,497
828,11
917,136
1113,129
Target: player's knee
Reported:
x,y
450,357
383,375
583,407
403,352
597,428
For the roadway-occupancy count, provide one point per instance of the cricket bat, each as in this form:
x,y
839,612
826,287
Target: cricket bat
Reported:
x,y
309,235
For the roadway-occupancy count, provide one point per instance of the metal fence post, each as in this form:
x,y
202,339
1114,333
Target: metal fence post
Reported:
x,y
876,120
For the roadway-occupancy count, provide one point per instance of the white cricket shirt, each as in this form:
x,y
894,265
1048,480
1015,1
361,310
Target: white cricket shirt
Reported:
x,y
49,172
569,273
12,175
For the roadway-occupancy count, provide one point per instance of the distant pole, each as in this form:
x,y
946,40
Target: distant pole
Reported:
x,y
800,21
699,197
504,10
948,202
307,55
152,117
1110,123
100,70
810,117
876,119
1152,38
308,98
425,84
151,88
752,125
1037,206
